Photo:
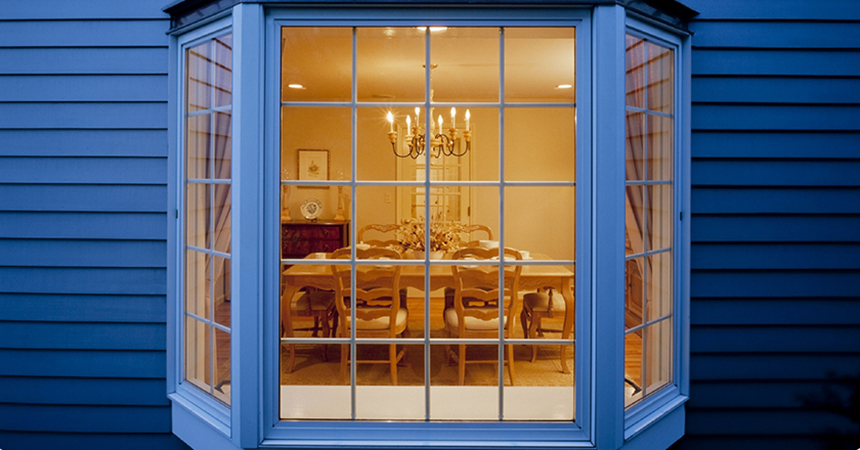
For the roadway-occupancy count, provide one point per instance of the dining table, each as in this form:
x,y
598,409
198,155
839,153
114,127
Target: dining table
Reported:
x,y
318,275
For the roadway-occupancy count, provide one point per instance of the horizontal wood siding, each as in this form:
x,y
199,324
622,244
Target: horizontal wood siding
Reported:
x,y
775,221
83,225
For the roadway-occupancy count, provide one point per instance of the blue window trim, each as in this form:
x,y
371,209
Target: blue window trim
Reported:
x,y
182,395
253,421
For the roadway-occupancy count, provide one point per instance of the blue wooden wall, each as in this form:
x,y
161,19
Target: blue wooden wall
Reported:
x,y
83,146
83,171
775,220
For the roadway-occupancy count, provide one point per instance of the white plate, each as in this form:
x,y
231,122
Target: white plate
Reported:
x,y
311,208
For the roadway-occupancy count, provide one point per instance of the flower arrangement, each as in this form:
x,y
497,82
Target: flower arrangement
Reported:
x,y
444,236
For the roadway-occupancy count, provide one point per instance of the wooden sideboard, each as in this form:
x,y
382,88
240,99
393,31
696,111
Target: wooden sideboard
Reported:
x,y
300,238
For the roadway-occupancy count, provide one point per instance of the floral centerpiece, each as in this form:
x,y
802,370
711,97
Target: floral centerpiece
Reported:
x,y
444,236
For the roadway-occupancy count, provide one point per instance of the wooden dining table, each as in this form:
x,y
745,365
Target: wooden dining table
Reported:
x,y
532,277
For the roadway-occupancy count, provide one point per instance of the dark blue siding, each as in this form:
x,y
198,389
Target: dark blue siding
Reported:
x,y
775,220
83,225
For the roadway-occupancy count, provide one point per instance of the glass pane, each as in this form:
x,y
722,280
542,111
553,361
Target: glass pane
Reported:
x,y
658,351
480,382
390,64
316,64
223,82
659,290
305,128
661,76
540,64
222,366
198,70
540,144
221,290
197,283
634,279
223,212
660,148
548,305
635,66
634,380
465,64
552,210
635,161
635,220
197,215
198,353
223,142
376,398
543,391
660,217
197,146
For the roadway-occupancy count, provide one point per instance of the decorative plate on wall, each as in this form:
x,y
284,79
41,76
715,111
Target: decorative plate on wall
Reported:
x,y
311,208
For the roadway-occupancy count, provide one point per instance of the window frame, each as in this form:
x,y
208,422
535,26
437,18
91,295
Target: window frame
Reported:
x,y
252,421
639,415
380,434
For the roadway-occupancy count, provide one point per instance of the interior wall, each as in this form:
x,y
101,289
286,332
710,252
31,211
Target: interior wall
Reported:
x,y
539,146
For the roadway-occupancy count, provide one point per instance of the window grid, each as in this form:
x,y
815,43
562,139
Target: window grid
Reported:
x,y
210,181
353,183
645,182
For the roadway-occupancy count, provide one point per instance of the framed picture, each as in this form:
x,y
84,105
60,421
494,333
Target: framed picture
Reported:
x,y
313,165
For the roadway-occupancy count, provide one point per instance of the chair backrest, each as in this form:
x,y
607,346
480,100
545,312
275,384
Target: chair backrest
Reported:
x,y
377,286
481,282
467,238
380,228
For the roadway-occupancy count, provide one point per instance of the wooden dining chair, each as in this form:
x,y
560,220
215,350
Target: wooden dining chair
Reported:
x,y
380,229
481,282
543,304
468,230
378,312
312,304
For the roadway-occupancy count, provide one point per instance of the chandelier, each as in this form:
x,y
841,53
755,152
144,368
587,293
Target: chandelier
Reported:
x,y
415,142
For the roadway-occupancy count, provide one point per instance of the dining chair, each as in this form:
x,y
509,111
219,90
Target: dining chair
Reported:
x,y
481,282
318,305
543,304
378,312
380,228
469,229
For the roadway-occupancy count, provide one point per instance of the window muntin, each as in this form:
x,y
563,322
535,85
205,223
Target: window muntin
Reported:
x,y
650,218
207,216
496,188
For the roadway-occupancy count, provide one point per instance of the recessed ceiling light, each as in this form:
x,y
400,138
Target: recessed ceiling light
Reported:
x,y
564,86
295,86
433,29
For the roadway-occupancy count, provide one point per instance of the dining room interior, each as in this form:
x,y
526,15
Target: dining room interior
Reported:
x,y
479,148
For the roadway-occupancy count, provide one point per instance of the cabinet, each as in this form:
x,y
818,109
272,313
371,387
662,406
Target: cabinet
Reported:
x,y
301,238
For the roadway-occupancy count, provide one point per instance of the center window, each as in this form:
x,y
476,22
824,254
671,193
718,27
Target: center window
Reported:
x,y
428,223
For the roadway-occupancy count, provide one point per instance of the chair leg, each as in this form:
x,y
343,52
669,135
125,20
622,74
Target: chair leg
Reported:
x,y
534,325
292,362
392,356
511,364
344,354
461,368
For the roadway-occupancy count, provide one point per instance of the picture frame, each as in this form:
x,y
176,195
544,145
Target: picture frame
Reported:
x,y
313,165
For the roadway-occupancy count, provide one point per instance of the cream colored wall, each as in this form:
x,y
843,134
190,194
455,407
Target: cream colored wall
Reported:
x,y
539,146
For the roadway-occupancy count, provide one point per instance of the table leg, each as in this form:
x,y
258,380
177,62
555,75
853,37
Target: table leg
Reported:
x,y
569,315
287,321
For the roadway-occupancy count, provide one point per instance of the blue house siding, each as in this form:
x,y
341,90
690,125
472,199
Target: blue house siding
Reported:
x,y
83,171
775,285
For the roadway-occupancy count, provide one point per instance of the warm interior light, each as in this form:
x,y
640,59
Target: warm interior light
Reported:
x,y
432,29
295,86
564,86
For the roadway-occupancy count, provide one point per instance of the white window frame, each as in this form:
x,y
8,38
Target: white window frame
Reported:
x,y
602,421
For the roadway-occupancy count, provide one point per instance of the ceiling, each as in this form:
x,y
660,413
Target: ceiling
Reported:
x,y
465,64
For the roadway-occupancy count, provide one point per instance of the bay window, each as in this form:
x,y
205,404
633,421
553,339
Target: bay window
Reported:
x,y
406,227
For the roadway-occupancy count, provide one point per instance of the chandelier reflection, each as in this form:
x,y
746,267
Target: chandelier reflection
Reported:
x,y
441,143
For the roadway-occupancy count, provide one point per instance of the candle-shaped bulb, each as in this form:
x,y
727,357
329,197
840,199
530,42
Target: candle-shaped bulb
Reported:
x,y
417,115
390,118
408,125
453,117
467,119
440,123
